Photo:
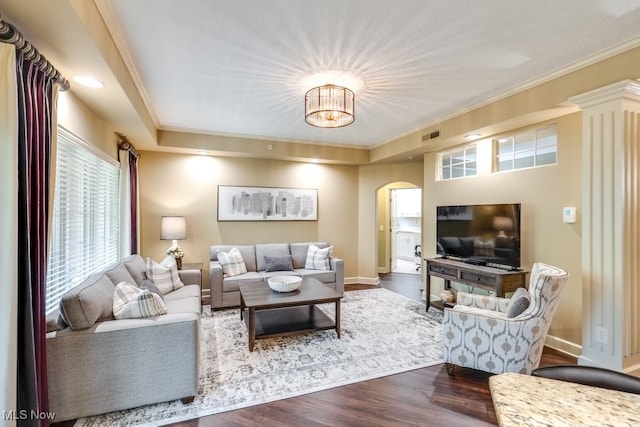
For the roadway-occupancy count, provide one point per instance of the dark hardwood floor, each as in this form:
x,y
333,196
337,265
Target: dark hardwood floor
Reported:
x,y
423,397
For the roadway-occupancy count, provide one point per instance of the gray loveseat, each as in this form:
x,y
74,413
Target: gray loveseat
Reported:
x,y
97,364
225,291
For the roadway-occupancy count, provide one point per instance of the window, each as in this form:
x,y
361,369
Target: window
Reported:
x,y
527,150
458,163
85,216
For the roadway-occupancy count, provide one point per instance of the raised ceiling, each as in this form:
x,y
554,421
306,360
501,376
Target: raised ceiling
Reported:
x,y
240,68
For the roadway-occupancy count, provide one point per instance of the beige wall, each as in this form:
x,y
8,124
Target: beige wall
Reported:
x,y
543,192
187,185
348,204
78,119
372,178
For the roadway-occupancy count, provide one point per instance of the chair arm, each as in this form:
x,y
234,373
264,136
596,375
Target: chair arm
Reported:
x,y
337,265
118,364
485,302
475,311
216,278
190,277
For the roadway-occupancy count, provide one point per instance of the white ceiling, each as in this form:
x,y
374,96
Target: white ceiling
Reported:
x,y
236,67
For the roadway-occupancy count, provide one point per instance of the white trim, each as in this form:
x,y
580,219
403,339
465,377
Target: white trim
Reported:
x,y
72,137
361,280
563,346
576,66
632,369
464,148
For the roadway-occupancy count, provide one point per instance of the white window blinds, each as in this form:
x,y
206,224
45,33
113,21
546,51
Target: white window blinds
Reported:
x,y
85,216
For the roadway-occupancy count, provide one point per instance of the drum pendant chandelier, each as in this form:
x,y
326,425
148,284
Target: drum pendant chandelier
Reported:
x,y
329,106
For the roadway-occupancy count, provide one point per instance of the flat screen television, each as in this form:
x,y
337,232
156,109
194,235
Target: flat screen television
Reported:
x,y
480,234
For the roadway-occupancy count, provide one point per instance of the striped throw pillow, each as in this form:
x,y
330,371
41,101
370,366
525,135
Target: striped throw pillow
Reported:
x,y
164,274
131,302
232,262
318,259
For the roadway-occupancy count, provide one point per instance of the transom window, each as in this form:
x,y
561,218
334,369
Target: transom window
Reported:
x,y
526,150
458,163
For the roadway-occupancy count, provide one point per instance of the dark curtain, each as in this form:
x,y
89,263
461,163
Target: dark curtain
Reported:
x,y
35,94
133,190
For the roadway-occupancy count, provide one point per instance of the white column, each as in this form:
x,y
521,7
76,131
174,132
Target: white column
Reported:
x,y
611,226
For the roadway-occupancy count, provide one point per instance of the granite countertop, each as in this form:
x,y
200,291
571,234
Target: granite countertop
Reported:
x,y
523,400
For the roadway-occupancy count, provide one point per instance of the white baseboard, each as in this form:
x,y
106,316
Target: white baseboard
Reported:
x,y
362,280
563,346
633,370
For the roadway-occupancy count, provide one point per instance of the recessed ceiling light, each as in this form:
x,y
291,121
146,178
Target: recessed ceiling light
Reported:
x,y
88,82
472,136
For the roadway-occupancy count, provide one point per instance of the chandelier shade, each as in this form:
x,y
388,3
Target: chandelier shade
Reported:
x,y
329,106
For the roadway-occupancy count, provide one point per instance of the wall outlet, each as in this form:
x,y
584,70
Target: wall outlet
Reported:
x,y
602,335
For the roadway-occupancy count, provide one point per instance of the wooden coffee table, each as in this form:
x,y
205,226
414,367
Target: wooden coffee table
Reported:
x,y
272,313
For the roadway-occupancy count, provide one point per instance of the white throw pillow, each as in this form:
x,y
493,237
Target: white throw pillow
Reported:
x,y
131,302
164,274
318,259
232,262
484,248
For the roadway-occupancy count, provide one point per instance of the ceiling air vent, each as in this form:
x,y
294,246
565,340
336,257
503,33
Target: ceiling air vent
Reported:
x,y
434,134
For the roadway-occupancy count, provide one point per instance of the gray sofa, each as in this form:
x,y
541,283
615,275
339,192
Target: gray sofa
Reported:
x,y
225,291
97,364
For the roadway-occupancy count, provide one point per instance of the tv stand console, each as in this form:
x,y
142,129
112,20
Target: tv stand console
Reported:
x,y
493,279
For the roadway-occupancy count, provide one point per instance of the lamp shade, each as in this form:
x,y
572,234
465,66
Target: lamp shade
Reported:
x,y
503,223
173,228
329,106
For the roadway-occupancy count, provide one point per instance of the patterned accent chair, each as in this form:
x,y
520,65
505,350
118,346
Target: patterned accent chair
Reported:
x,y
479,335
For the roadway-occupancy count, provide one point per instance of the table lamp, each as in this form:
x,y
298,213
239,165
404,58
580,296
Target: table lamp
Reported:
x,y
174,228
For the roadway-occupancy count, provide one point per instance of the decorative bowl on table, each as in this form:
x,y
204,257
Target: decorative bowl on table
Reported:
x,y
285,283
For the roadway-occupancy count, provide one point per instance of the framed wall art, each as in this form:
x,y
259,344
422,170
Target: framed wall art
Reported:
x,y
237,203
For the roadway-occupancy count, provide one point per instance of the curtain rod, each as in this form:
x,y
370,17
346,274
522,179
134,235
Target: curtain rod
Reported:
x,y
124,144
9,34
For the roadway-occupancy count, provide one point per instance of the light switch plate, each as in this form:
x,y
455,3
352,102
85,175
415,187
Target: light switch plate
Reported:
x,y
569,215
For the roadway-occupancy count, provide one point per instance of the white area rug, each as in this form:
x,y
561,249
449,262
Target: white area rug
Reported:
x,y
382,333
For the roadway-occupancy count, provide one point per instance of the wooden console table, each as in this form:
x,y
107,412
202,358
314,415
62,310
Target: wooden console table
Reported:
x,y
493,279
